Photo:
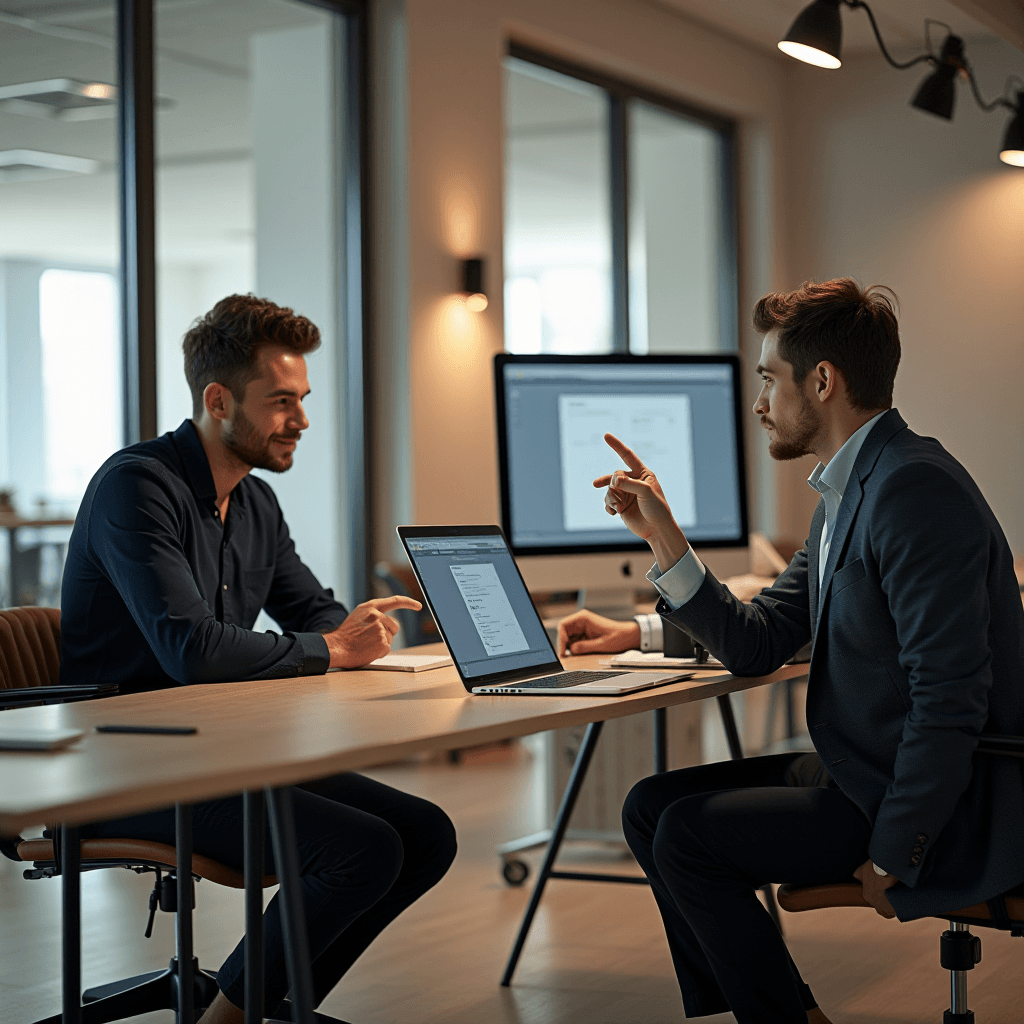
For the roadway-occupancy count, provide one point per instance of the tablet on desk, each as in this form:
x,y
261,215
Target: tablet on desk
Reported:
x,y
13,738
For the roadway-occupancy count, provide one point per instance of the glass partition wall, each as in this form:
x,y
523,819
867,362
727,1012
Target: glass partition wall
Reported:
x,y
60,332
619,216
253,157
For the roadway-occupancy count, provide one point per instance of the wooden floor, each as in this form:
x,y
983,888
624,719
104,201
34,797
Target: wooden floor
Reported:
x,y
597,953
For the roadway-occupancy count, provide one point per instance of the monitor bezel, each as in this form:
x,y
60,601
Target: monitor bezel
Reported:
x,y
503,359
553,667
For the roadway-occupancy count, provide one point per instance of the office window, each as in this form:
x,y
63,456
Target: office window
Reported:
x,y
558,232
619,221
250,96
81,364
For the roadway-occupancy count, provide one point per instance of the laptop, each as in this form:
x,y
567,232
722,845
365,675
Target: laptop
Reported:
x,y
483,610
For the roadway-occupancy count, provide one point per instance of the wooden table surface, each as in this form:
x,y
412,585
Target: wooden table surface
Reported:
x,y
284,731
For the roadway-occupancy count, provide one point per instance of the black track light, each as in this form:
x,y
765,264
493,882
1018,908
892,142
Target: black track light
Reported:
x,y
937,93
816,37
1012,151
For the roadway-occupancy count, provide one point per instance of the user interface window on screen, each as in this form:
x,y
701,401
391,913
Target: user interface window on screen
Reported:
x,y
489,621
680,420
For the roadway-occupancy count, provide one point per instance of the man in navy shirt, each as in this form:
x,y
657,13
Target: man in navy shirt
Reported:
x,y
175,551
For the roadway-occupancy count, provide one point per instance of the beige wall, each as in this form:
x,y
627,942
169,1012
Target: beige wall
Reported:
x,y
890,194
452,183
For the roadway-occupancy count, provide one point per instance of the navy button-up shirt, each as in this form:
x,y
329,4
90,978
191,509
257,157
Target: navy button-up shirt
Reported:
x,y
158,592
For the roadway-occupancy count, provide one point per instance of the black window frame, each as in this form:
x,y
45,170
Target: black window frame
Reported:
x,y
135,45
621,92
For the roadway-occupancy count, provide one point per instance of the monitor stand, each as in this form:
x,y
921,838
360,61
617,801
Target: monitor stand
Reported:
x,y
611,602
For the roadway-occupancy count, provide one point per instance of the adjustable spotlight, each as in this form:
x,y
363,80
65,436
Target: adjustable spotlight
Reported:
x,y
937,93
1013,141
816,37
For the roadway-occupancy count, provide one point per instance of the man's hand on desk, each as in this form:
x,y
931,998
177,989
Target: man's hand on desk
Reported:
x,y
637,499
586,633
367,633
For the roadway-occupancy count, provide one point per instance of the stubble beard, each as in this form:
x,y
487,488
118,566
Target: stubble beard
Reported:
x,y
247,445
798,441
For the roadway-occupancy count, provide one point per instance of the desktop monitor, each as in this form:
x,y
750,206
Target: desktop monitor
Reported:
x,y
681,414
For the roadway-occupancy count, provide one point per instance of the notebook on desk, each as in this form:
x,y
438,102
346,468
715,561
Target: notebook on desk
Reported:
x,y
484,612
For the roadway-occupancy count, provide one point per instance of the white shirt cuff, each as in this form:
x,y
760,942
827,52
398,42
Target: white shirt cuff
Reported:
x,y
652,634
681,582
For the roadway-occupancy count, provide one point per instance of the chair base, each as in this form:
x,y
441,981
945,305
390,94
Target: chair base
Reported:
x,y
949,1017
158,990
144,993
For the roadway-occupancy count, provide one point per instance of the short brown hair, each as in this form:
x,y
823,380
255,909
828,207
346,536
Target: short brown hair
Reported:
x,y
855,329
222,347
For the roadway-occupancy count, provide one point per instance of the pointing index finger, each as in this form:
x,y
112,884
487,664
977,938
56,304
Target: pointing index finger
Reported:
x,y
627,455
387,604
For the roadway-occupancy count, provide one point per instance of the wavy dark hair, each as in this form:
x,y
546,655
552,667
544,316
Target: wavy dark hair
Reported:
x,y
223,346
851,327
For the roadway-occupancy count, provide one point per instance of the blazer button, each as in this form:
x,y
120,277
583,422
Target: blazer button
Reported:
x,y
918,849
922,838
914,861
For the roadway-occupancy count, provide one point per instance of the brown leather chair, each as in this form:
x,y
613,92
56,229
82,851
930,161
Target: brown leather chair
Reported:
x,y
959,950
30,668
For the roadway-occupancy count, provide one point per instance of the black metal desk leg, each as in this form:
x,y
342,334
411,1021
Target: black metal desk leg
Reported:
x,y
732,735
71,926
293,917
572,791
252,810
183,918
661,739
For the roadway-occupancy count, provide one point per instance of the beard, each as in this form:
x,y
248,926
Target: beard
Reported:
x,y
246,443
795,441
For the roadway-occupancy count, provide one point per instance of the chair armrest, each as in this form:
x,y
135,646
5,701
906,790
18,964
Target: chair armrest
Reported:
x,y
990,743
55,694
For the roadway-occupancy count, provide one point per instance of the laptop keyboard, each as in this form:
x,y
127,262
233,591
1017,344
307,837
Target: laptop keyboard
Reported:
x,y
566,679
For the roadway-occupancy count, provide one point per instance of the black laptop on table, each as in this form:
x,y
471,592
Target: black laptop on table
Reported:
x,y
480,603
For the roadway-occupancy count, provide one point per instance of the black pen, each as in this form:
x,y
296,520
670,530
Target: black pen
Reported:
x,y
157,730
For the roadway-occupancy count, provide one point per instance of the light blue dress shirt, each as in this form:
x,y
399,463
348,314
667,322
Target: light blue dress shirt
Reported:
x,y
683,580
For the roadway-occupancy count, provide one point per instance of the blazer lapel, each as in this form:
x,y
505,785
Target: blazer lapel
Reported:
x,y
813,550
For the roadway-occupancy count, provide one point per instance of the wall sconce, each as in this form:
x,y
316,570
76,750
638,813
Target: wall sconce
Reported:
x,y
473,285
816,37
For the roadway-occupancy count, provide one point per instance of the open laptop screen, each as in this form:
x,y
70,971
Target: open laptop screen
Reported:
x,y
480,603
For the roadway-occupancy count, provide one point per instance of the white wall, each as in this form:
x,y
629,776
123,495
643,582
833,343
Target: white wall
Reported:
x,y
889,194
294,155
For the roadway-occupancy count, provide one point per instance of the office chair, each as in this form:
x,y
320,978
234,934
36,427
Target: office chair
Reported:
x,y
29,674
959,950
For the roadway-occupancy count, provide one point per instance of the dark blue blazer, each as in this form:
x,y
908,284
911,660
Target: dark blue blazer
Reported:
x,y
918,647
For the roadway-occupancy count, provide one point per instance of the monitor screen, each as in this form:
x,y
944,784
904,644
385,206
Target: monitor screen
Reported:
x,y
680,414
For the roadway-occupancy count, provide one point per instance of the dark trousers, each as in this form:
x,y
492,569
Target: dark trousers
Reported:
x,y
708,838
366,852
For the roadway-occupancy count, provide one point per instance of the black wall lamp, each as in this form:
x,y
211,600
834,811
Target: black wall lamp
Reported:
x,y
473,285
816,37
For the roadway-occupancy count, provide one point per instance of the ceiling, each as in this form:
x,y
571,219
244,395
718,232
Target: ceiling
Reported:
x,y
764,22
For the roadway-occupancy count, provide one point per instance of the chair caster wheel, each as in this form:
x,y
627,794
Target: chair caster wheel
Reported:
x,y
515,872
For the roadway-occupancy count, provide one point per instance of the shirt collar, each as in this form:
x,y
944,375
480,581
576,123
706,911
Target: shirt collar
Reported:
x,y
836,475
193,457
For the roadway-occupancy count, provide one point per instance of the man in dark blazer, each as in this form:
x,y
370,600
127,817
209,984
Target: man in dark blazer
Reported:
x,y
906,589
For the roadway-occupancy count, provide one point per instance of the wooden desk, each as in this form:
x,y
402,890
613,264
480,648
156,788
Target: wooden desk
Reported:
x,y
269,735
284,731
